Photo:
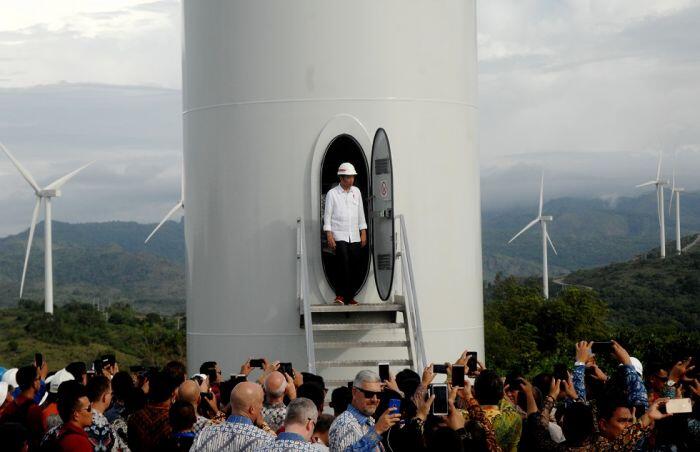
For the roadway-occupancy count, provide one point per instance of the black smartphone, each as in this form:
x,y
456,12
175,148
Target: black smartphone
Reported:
x,y
286,368
238,378
97,366
38,360
561,372
513,380
259,363
439,369
440,407
206,395
458,375
384,372
471,362
599,348
350,384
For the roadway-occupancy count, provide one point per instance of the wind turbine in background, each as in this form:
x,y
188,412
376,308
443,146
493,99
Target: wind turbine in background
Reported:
x,y
45,194
676,191
542,220
178,206
659,205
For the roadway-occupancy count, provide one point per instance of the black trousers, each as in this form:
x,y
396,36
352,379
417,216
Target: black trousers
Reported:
x,y
347,258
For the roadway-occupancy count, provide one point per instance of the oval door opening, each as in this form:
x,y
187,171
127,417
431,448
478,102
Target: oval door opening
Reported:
x,y
382,214
344,148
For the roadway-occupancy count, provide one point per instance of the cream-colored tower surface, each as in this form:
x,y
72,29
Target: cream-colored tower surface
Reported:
x,y
267,85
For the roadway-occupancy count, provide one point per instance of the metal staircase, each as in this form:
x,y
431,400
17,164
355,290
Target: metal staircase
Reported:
x,y
385,332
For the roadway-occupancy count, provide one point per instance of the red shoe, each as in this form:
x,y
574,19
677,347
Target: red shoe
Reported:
x,y
354,302
339,300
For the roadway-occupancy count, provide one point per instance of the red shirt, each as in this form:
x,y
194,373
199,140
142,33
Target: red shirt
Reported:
x,y
73,438
29,416
49,410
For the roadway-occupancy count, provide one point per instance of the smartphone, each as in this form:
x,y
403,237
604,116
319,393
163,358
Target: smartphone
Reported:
x,y
97,366
561,372
395,405
471,362
238,378
440,406
206,395
286,368
349,384
458,375
513,381
384,372
260,363
38,360
676,406
439,369
599,348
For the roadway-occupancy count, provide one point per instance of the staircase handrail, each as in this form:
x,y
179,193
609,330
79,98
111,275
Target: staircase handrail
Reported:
x,y
303,294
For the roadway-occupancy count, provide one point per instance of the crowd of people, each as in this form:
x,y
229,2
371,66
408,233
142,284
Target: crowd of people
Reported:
x,y
577,407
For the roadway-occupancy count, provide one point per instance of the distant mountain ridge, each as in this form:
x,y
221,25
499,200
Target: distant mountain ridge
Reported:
x,y
108,262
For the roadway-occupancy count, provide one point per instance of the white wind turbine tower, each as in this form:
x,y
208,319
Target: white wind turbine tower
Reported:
x,y
659,205
542,220
45,194
178,206
676,191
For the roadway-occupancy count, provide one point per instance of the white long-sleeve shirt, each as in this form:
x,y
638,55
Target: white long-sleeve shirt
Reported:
x,y
344,214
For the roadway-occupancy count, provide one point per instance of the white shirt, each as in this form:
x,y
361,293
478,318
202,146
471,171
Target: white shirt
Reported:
x,y
344,214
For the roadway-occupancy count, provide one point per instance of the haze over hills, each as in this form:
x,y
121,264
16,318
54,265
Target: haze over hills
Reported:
x,y
108,262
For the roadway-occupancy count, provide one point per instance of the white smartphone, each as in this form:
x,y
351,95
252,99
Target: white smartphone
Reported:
x,y
675,406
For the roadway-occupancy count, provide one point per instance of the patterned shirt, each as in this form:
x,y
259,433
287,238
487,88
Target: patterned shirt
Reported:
x,y
287,441
200,423
102,436
274,415
149,427
236,434
507,424
352,431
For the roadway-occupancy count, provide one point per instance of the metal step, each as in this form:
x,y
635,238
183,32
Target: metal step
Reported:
x,y
361,344
357,326
374,307
363,363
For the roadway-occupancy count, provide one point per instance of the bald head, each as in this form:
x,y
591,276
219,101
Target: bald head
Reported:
x,y
275,385
189,392
247,399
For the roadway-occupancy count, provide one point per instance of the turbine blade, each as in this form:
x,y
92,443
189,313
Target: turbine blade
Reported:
x,y
58,183
551,244
182,183
531,224
658,167
22,170
539,214
645,184
179,205
32,226
670,201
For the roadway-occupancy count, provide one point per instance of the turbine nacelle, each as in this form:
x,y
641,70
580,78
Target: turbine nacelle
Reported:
x,y
546,218
49,193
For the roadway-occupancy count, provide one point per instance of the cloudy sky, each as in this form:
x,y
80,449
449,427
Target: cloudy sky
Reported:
x,y
587,90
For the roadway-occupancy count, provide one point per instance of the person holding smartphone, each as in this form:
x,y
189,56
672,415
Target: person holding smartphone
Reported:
x,y
346,231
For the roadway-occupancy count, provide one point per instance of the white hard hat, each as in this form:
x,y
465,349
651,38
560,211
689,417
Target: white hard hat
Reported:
x,y
347,169
10,377
3,391
55,380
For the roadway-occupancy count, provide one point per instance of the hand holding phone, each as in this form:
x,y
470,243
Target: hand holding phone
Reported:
x,y
286,368
471,362
439,369
395,405
38,360
677,406
599,348
457,375
384,372
440,405
259,363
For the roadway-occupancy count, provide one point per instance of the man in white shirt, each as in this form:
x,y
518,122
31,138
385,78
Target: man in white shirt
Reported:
x,y
346,230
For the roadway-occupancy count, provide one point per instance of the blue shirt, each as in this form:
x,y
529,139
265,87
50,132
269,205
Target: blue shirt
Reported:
x,y
237,434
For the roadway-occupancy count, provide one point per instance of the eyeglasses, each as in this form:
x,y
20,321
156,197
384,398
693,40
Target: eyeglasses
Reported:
x,y
369,394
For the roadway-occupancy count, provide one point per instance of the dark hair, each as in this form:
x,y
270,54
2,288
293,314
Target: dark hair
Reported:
x,y
488,388
70,393
160,387
13,436
135,400
408,381
313,392
26,376
96,387
177,371
308,377
208,368
606,408
323,424
542,382
77,369
182,416
121,385
340,399
578,423
108,359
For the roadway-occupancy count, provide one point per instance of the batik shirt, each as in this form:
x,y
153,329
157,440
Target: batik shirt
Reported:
x,y
507,424
102,436
200,424
237,434
274,415
352,431
287,441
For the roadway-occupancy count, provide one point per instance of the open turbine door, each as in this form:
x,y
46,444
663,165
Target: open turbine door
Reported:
x,y
381,214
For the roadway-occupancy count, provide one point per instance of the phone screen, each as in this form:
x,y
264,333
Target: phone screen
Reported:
x,y
259,363
395,404
471,362
440,406
384,371
39,360
598,348
439,369
286,368
458,375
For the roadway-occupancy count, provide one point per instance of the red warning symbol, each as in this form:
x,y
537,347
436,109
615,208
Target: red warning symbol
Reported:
x,y
383,189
